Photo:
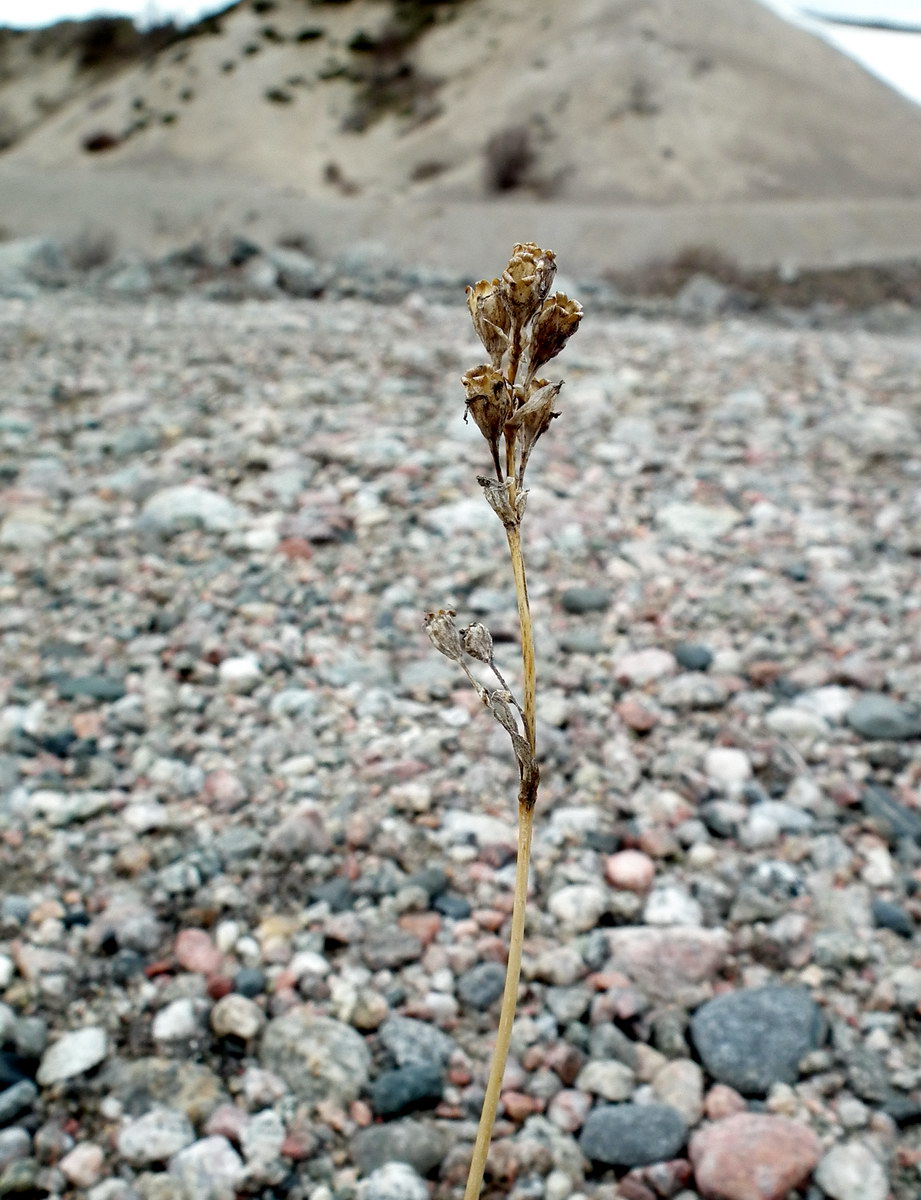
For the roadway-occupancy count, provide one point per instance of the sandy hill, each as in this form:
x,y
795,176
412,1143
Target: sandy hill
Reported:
x,y
591,101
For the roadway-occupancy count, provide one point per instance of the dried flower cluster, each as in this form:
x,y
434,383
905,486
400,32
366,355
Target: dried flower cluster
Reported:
x,y
522,327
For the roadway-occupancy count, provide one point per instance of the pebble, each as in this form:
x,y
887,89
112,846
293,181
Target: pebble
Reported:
x,y
880,718
630,870
154,1137
240,674
408,1141
676,965
177,1022
609,1079
642,667
680,1084
73,1054
237,1016
578,906
398,1092
750,1039
585,599
188,506
631,1135
727,767
887,915
670,904
319,1058
852,1172
752,1156
482,985
693,657
394,1181
209,1169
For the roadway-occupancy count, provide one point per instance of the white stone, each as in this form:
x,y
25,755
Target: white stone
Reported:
x,y
727,766
155,1136
852,1172
238,1016
671,905
240,674
578,906
393,1181
798,724
73,1054
209,1169
644,666
830,702
7,971
878,869
608,1078
189,506
699,524
82,1166
177,1021
680,1083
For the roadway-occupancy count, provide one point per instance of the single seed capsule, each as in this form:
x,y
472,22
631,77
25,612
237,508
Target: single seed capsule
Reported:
x,y
478,642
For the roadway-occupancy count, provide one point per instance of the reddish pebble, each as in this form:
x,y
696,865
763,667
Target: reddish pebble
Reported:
x,y
568,1109
519,1106
752,1156
660,843
224,790
460,1076
636,716
565,1060
489,918
295,547
723,1101
630,870
765,672
196,952
219,986
86,724
632,1187
162,966
425,925
361,1114
227,1121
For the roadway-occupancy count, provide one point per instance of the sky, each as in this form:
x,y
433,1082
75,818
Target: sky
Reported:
x,y
895,57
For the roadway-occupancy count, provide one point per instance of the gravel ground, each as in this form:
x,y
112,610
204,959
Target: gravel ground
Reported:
x,y
258,841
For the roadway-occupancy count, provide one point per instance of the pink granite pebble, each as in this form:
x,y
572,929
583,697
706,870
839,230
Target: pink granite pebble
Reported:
x,y
630,870
751,1156
196,952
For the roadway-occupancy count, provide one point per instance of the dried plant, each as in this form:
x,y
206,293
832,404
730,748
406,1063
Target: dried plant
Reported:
x,y
522,327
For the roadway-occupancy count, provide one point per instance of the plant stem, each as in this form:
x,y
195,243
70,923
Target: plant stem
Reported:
x,y
509,1003
513,533
526,798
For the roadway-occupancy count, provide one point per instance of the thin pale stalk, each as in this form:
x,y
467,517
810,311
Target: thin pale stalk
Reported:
x,y
513,533
526,800
509,1004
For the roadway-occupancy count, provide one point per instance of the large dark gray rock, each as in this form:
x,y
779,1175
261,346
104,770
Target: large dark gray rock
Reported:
x,y
880,718
752,1039
631,1135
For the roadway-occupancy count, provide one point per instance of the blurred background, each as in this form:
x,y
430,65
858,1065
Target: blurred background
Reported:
x,y
768,134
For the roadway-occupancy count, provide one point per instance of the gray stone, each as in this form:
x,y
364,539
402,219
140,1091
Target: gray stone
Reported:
x,y
16,1100
155,1137
880,718
319,1058
585,599
298,274
752,1039
887,915
697,524
405,1089
72,1055
693,657
15,1143
894,819
481,985
421,1146
631,1135
415,1043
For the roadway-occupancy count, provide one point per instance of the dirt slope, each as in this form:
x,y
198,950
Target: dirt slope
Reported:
x,y
594,101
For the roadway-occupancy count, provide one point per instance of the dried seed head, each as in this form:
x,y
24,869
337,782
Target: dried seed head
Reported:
x,y
478,642
554,325
498,500
444,634
500,701
533,419
527,279
491,318
489,402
